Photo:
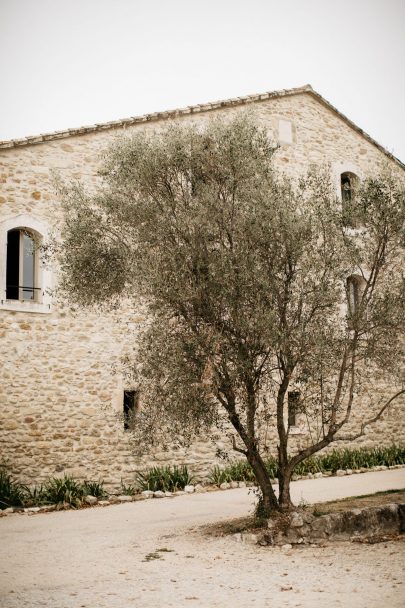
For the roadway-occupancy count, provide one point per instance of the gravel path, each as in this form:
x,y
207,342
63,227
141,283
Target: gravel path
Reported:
x,y
153,553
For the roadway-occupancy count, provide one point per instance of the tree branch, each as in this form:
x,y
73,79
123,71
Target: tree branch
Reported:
x,y
236,448
371,420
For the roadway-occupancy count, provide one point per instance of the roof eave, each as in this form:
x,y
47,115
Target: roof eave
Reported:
x,y
195,109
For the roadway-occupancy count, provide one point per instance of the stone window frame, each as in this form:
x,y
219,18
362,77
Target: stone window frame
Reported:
x,y
340,169
43,274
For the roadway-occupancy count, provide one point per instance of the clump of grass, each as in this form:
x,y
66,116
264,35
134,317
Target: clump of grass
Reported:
x,y
12,493
94,488
179,478
220,475
165,479
239,470
272,467
152,556
64,491
128,489
313,465
34,496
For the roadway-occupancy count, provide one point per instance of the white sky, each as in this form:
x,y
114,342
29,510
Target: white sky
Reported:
x,y
68,63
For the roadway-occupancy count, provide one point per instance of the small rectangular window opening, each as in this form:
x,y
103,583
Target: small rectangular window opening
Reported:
x,y
293,401
285,132
130,405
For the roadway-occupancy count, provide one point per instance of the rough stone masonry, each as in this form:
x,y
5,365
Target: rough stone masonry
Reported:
x,y
61,396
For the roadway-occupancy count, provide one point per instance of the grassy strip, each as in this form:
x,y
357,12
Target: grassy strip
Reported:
x,y
68,491
165,479
333,461
56,491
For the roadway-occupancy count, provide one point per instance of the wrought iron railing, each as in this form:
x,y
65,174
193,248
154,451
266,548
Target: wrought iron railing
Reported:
x,y
13,291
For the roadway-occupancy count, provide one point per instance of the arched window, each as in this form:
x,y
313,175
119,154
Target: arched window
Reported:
x,y
22,267
25,282
355,286
352,215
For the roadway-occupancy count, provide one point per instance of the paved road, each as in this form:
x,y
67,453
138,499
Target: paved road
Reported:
x,y
107,557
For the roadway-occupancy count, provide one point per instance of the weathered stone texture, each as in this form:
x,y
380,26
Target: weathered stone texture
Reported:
x,y
354,524
59,394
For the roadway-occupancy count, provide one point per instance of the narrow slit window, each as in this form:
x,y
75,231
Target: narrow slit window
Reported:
x,y
130,406
293,401
353,216
355,286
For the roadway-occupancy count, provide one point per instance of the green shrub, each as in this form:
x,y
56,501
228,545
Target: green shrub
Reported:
x,y
310,465
128,490
94,488
272,467
165,479
64,491
352,459
179,478
34,496
240,470
219,475
11,492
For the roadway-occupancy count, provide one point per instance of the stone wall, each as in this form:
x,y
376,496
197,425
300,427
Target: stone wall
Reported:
x,y
61,399
354,524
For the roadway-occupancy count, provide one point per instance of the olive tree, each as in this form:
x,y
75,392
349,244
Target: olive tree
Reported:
x,y
245,278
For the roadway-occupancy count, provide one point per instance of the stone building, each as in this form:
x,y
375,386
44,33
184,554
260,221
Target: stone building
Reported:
x,y
63,406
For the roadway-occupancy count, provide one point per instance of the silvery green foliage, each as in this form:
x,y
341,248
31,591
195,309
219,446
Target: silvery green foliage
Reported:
x,y
244,274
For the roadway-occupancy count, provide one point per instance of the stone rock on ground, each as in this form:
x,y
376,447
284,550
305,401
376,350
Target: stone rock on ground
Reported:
x,y
90,500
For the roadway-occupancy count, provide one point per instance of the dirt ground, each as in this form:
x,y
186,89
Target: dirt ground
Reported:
x,y
373,500
156,552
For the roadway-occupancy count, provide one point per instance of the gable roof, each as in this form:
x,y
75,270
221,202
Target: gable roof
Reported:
x,y
205,107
